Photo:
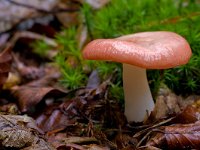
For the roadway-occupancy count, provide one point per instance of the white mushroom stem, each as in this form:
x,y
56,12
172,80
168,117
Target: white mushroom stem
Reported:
x,y
138,99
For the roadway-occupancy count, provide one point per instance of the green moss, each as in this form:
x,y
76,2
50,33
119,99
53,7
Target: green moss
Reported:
x,y
125,17
40,48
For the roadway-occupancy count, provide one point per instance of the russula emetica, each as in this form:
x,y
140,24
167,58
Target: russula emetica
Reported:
x,y
138,52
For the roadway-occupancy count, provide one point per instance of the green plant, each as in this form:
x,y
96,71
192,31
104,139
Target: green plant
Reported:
x,y
40,48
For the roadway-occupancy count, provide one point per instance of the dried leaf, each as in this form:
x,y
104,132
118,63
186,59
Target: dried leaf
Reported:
x,y
68,18
9,10
96,147
29,96
80,140
183,136
179,136
190,114
53,120
19,131
124,141
167,104
94,80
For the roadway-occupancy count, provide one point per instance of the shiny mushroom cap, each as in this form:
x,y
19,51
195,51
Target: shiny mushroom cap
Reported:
x,y
151,50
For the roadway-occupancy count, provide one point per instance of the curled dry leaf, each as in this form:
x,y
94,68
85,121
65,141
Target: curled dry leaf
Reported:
x,y
179,136
5,65
183,136
19,132
190,114
29,96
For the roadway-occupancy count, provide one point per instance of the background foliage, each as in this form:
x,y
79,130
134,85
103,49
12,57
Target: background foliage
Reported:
x,y
122,17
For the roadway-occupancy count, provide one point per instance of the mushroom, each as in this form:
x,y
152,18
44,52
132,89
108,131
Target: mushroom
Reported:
x,y
138,52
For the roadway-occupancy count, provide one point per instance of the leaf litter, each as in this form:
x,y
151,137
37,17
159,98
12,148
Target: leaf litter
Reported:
x,y
37,113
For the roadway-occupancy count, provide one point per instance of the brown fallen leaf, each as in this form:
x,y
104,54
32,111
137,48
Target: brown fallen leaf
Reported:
x,y
82,147
190,114
167,103
9,8
53,120
29,96
183,136
68,19
19,132
178,136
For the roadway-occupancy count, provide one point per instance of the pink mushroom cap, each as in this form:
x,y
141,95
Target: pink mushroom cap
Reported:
x,y
151,50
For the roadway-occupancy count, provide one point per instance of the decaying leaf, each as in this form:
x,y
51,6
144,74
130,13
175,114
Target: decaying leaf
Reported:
x,y
190,114
54,120
19,132
167,103
29,96
184,135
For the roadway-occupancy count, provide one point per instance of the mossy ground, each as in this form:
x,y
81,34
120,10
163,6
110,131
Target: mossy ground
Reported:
x,y
122,17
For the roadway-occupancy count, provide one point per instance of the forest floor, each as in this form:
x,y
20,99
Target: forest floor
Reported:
x,y
38,113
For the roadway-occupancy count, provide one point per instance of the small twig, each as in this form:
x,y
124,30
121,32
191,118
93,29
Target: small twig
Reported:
x,y
152,127
42,10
